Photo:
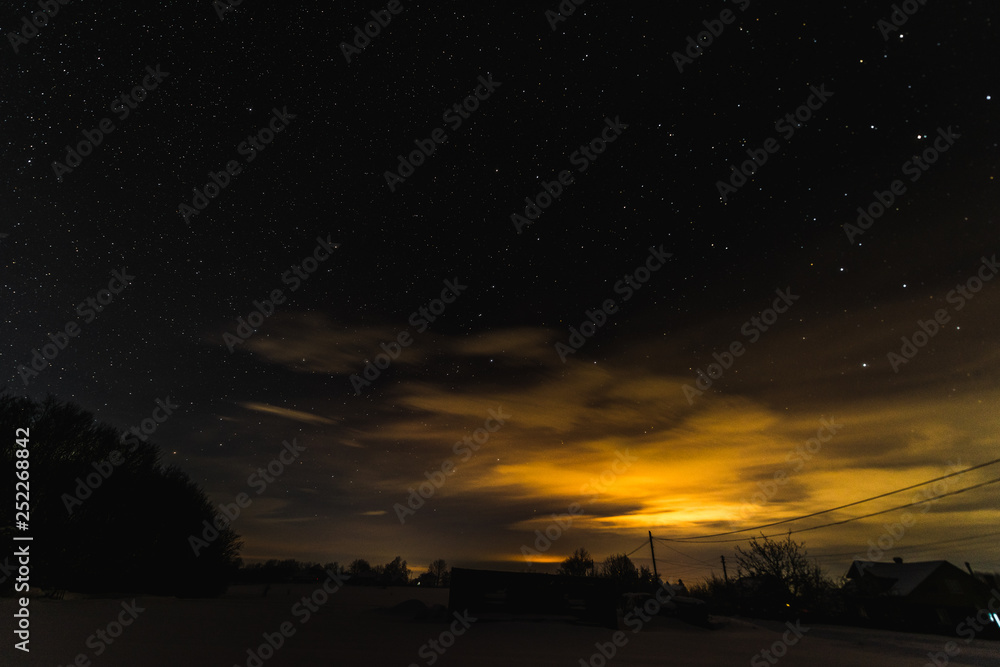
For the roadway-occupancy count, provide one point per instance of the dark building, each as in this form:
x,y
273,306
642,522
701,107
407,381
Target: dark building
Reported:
x,y
494,594
930,596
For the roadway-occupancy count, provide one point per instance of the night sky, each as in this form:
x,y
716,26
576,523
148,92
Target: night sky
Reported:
x,y
640,219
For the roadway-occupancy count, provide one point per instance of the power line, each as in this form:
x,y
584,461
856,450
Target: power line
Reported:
x,y
674,563
837,523
834,509
705,562
644,544
913,546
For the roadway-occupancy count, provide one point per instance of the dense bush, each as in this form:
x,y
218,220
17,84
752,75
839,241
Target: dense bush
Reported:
x,y
126,534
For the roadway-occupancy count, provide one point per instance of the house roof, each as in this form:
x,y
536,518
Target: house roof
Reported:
x,y
907,576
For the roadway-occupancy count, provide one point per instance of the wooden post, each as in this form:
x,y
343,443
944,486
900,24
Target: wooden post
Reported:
x,y
653,554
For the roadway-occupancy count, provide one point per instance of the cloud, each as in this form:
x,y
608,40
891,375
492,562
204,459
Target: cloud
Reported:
x,y
513,346
287,413
314,343
698,464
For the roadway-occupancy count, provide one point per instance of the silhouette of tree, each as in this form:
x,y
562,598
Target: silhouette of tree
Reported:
x,y
359,567
619,568
785,561
396,573
275,571
112,516
440,571
580,564
647,580
427,579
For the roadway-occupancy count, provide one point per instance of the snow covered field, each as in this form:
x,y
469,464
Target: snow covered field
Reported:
x,y
349,629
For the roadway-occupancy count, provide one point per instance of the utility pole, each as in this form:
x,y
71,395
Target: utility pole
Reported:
x,y
653,554
724,573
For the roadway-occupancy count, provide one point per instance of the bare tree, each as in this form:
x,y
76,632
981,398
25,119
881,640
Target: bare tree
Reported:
x,y
580,564
620,568
359,566
439,570
786,560
396,572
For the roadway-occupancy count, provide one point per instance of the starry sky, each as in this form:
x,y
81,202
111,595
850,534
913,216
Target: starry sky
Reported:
x,y
912,105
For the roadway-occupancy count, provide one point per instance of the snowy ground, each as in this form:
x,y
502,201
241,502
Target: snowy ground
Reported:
x,y
349,630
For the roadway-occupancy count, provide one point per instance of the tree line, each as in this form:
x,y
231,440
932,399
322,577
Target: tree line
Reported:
x,y
359,572
111,515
